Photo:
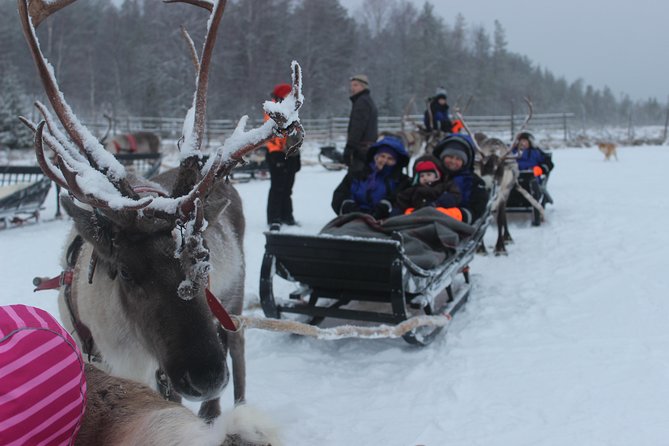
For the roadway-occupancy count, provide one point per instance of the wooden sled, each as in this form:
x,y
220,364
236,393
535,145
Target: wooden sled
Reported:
x,y
337,275
23,190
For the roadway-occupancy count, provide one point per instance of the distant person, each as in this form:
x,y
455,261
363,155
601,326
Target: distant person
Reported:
x,y
362,124
437,115
456,152
282,170
430,188
374,189
531,157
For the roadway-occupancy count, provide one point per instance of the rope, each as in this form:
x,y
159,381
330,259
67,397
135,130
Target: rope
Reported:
x,y
531,199
345,331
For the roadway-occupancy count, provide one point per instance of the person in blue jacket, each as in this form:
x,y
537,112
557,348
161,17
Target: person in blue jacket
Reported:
x,y
437,115
456,152
531,157
373,190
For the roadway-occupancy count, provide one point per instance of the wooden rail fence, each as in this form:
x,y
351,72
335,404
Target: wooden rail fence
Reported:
x,y
329,130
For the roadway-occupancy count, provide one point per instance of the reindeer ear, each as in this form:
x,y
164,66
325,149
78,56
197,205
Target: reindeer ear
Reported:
x,y
94,228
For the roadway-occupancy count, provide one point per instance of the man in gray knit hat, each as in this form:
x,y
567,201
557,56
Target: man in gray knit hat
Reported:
x,y
362,124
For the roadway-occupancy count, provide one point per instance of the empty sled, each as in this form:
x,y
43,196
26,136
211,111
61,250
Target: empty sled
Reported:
x,y
23,190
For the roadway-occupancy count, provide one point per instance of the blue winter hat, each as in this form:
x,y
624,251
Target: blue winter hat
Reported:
x,y
392,145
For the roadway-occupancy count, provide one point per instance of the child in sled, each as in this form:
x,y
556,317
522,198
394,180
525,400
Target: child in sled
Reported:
x,y
430,188
373,190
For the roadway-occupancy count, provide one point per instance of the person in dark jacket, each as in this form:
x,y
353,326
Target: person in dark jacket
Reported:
x,y
373,190
437,115
282,170
531,157
362,124
430,187
456,152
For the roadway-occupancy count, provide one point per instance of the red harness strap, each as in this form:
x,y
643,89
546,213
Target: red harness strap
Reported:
x,y
132,141
220,312
64,278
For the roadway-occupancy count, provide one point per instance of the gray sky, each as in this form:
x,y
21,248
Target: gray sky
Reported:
x,y
622,44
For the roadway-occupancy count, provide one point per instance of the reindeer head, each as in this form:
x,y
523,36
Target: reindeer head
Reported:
x,y
151,240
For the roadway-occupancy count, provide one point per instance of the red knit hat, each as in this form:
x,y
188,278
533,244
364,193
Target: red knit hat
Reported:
x,y
427,166
281,91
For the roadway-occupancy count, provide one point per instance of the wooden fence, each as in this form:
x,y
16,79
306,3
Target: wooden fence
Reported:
x,y
329,130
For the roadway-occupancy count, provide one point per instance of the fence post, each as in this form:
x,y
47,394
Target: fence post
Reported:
x,y
666,124
330,129
564,125
513,124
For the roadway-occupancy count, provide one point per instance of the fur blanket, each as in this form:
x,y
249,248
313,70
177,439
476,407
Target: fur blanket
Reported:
x,y
428,236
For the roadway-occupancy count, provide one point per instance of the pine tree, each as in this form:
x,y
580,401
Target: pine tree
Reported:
x,y
13,134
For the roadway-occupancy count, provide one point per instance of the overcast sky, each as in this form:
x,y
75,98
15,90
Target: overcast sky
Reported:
x,y
622,44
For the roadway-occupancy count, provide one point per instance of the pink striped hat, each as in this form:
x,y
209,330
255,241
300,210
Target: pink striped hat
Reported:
x,y
42,381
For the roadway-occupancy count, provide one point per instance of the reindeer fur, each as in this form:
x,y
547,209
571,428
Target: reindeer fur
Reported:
x,y
123,412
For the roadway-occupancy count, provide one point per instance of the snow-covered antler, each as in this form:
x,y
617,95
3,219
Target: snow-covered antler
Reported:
x,y
80,148
95,177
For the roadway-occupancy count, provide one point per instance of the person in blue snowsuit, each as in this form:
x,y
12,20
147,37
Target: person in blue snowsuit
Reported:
x,y
373,190
531,157
456,152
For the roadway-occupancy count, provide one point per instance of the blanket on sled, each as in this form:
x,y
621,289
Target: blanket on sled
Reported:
x,y
429,237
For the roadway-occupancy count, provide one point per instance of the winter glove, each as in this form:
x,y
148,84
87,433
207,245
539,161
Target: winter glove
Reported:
x,y
348,206
382,210
538,171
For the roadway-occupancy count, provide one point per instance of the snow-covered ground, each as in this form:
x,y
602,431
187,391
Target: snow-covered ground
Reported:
x,y
565,341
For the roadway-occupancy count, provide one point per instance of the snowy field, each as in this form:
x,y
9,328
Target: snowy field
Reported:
x,y
565,341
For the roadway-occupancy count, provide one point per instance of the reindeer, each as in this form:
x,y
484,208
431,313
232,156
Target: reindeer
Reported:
x,y
134,142
145,259
496,164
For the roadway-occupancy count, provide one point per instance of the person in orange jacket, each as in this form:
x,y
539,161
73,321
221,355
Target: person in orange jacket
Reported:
x,y
282,171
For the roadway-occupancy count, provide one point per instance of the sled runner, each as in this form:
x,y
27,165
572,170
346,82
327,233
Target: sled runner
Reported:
x,y
330,158
388,281
533,197
23,190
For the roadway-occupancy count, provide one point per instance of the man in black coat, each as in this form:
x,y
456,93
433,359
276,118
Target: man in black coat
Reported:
x,y
362,125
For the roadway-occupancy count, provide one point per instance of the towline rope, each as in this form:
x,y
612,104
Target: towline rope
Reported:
x,y
343,331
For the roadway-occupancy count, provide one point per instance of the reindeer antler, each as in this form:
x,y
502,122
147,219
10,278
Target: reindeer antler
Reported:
x,y
530,112
84,157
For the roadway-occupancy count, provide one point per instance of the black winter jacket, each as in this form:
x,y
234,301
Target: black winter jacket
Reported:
x,y
362,130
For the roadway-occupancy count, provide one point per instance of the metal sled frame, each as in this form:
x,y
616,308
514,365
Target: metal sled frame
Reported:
x,y
26,202
519,204
335,271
